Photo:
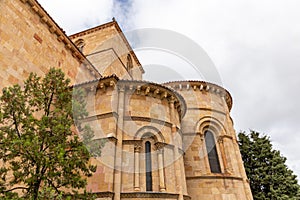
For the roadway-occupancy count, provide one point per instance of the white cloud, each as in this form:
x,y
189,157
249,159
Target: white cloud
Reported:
x,y
74,16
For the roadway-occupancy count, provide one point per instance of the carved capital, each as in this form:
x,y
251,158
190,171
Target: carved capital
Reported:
x,y
220,140
160,146
112,84
137,148
147,90
121,88
171,100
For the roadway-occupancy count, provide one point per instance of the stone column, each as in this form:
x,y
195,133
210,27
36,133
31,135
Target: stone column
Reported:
x,y
162,186
204,154
222,150
118,157
176,153
137,168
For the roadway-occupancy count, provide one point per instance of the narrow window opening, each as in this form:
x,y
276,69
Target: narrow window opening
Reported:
x,y
129,62
80,44
148,166
212,153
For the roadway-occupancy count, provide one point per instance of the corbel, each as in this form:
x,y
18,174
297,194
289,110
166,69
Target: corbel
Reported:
x,y
147,90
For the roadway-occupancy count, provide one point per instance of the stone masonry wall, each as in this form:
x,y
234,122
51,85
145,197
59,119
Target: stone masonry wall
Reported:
x,y
208,108
27,45
106,42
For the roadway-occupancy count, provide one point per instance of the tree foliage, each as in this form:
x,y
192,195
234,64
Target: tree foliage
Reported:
x,y
268,174
41,156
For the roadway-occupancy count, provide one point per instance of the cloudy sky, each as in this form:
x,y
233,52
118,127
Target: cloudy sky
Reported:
x,y
254,45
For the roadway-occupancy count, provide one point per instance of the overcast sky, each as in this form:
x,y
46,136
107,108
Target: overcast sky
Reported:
x,y
254,45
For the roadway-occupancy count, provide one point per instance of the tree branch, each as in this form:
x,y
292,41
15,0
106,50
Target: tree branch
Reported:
x,y
16,188
47,111
52,184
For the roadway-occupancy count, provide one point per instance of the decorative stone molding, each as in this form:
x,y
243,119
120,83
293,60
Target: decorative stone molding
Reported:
x,y
203,87
156,91
185,197
104,194
220,140
148,119
137,143
222,137
208,109
112,139
210,123
101,83
160,145
99,116
191,133
149,131
159,195
216,176
137,148
121,88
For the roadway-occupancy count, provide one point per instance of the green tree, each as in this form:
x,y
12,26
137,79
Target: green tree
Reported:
x,y
268,174
41,155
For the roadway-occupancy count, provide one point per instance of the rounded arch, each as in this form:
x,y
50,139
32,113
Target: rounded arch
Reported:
x,y
80,43
210,123
149,131
129,62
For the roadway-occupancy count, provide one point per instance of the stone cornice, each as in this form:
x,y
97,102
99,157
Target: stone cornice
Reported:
x,y
101,83
104,194
208,109
100,116
132,142
140,88
185,197
222,137
216,176
158,145
156,91
202,86
110,138
61,36
106,25
148,119
159,195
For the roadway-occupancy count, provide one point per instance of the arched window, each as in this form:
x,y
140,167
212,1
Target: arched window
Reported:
x,y
129,62
148,166
80,44
212,153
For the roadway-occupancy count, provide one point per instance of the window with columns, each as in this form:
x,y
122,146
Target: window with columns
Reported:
x,y
148,154
212,152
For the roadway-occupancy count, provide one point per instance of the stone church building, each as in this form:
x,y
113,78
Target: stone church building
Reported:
x,y
162,141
